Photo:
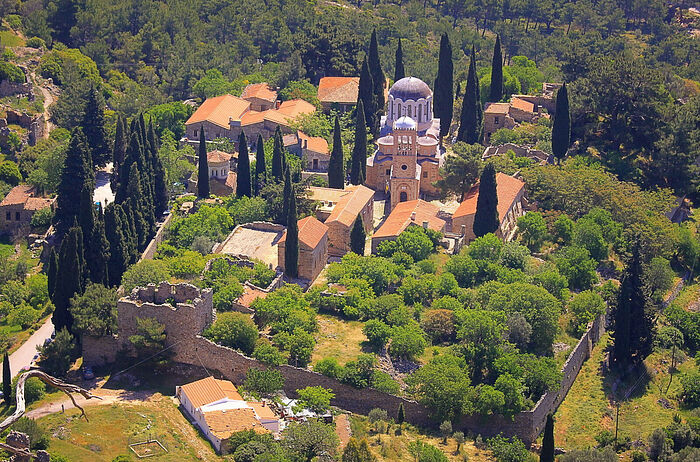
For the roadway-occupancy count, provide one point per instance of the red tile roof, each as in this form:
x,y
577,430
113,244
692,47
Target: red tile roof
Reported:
x,y
218,157
338,89
507,189
219,109
402,217
522,105
311,231
260,91
25,195
350,205
287,111
225,423
249,295
313,143
497,108
209,390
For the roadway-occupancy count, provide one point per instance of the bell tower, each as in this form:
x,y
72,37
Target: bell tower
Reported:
x,y
404,183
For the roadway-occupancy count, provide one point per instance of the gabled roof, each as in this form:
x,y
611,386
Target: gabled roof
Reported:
x,y
249,295
260,91
25,195
219,110
403,216
497,108
311,231
287,111
350,205
208,390
313,143
507,189
319,193
225,423
338,89
523,105
218,157
295,107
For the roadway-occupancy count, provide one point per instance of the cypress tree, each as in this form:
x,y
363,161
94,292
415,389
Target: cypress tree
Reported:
x,y
458,90
118,151
160,192
469,128
77,173
260,171
98,252
278,156
6,378
94,126
287,193
561,128
86,215
243,178
496,72
547,451
378,78
291,247
444,86
358,236
401,416
203,171
486,216
119,253
477,97
399,72
359,150
366,94
51,272
69,279
129,229
336,170
134,154
137,205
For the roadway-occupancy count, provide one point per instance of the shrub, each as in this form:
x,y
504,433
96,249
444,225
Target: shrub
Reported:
x,y
383,382
586,306
317,399
690,389
329,367
36,42
377,332
439,324
9,172
145,272
407,341
263,382
34,389
589,455
9,71
268,354
42,218
508,450
38,438
605,438
235,330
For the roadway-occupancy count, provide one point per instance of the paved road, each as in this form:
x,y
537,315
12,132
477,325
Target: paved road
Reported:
x,y
24,354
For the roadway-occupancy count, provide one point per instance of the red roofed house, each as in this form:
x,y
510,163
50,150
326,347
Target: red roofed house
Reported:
x,y
510,193
222,180
313,150
339,209
508,115
339,93
404,214
18,208
313,248
260,95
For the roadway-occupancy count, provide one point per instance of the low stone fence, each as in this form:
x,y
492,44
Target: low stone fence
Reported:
x,y
150,250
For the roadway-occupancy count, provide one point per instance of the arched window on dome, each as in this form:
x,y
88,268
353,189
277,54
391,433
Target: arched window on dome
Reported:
x,y
420,113
426,112
399,114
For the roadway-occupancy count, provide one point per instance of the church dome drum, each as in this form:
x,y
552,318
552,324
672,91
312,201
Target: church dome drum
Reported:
x,y
410,88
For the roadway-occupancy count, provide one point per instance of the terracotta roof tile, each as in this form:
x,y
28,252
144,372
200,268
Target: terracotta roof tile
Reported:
x,y
37,203
225,423
497,108
219,109
338,89
218,157
260,91
288,110
208,390
322,194
25,195
522,105
507,189
400,218
350,205
295,107
311,231
249,295
314,143
263,410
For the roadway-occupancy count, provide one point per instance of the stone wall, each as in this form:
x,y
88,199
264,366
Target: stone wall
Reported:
x,y
150,250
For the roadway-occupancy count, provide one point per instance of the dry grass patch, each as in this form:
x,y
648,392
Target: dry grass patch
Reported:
x,y
338,338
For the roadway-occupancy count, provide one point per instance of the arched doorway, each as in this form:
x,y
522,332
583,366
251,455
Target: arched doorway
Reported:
x,y
403,196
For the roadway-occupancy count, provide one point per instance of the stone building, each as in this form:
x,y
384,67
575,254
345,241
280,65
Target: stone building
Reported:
x,y
510,191
313,248
339,208
408,156
338,93
18,208
536,155
313,150
508,115
222,180
260,96
405,214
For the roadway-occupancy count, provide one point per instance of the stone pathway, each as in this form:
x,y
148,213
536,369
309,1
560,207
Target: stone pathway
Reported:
x,y
342,429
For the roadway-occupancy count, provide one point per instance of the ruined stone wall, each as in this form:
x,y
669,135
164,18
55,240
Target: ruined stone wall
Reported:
x,y
150,250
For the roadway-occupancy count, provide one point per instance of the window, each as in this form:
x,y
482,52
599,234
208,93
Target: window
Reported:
x,y
404,167
425,174
17,216
315,164
495,120
8,216
426,112
388,171
403,197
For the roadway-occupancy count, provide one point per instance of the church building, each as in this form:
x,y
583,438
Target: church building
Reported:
x,y
408,156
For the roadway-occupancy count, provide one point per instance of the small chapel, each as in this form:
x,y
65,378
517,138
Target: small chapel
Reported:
x,y
408,156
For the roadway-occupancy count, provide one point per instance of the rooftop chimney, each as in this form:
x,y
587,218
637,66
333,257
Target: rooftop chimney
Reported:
x,y
413,216
425,225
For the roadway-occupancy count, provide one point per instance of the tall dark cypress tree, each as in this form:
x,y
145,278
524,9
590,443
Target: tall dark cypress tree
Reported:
x,y
260,170
366,94
561,128
6,378
69,278
277,171
469,128
496,73
129,229
399,72
98,252
243,178
291,245
359,150
477,98
86,214
160,191
443,99
119,253
203,171
358,236
138,206
94,126
378,78
336,170
118,151
547,451
51,272
287,193
486,216
77,173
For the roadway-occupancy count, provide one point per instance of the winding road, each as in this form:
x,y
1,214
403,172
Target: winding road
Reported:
x,y
25,353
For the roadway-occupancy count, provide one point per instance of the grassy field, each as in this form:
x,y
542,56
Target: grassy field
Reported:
x,y
688,295
338,338
10,39
589,407
113,427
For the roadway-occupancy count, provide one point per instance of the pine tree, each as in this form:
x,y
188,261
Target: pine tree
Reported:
x,y
260,171
375,68
278,156
118,151
51,272
94,126
243,177
486,216
399,72
291,246
119,253
561,128
203,171
69,278
358,236
443,99
359,150
6,379
496,72
287,193
336,170
77,173
547,451
357,451
469,128
365,93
